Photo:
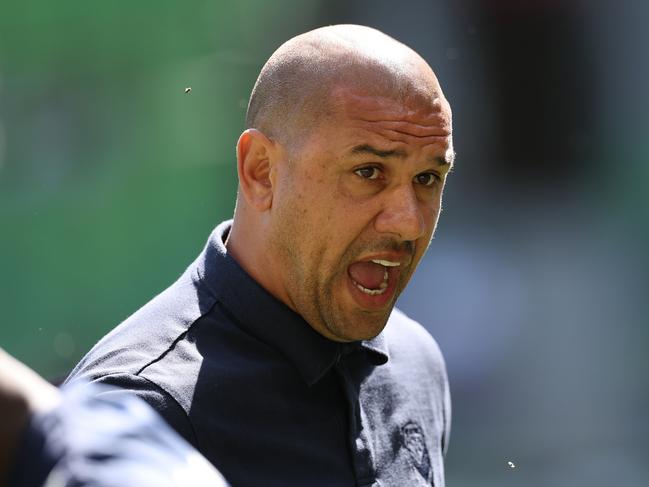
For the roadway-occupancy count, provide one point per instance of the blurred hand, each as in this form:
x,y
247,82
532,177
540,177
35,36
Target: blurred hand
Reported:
x,y
22,393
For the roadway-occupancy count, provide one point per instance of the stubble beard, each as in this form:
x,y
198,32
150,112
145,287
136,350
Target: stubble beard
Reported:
x,y
312,294
345,325
316,301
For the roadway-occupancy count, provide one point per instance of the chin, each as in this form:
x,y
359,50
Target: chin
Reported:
x,y
364,328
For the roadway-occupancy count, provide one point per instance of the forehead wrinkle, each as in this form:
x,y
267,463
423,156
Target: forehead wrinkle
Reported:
x,y
416,122
412,129
405,117
429,109
391,140
407,138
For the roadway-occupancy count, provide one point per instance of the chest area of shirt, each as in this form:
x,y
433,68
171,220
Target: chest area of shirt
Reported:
x,y
371,424
395,425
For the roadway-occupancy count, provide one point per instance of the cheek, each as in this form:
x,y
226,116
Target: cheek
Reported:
x,y
301,223
325,221
433,215
291,202
433,208
320,205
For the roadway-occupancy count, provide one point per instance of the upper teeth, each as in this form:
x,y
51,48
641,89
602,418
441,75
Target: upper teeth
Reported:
x,y
386,263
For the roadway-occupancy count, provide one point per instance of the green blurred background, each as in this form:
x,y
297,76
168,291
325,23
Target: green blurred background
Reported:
x,y
536,287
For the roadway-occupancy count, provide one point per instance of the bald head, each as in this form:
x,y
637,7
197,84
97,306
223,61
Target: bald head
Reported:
x,y
294,89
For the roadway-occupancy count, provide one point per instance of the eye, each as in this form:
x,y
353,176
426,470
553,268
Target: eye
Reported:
x,y
369,172
426,178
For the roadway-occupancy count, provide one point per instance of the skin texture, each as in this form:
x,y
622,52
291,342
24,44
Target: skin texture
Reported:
x,y
355,172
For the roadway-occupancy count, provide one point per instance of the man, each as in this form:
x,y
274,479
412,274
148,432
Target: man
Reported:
x,y
278,352
88,436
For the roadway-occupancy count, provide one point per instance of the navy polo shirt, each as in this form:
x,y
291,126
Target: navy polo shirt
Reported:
x,y
269,401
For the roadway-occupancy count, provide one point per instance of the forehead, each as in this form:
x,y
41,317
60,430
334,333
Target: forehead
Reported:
x,y
416,118
429,111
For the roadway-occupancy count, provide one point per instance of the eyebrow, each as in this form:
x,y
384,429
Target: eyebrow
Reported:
x,y
368,149
443,161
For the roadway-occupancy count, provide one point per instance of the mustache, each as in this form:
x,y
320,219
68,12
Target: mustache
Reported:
x,y
385,244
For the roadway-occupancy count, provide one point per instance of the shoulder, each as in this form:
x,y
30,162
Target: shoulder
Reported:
x,y
165,402
149,334
154,352
409,340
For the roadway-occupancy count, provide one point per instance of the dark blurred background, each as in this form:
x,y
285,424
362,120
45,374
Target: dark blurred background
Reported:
x,y
536,286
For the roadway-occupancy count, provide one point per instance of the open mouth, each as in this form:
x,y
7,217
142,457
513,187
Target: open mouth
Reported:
x,y
373,282
372,277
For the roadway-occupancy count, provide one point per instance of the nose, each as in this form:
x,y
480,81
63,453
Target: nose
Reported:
x,y
401,214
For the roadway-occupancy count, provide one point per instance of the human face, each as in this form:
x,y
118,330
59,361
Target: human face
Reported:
x,y
356,207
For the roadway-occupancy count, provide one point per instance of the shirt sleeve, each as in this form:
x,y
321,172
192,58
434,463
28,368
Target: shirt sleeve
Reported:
x,y
101,437
160,400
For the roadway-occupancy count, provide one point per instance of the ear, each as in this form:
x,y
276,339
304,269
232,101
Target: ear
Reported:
x,y
255,168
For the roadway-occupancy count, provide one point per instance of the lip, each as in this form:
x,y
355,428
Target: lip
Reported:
x,y
378,301
402,258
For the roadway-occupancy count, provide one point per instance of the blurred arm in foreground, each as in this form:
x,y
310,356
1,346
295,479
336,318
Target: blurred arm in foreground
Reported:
x,y
77,437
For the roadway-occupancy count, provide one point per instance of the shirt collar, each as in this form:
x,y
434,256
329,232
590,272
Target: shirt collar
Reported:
x,y
261,314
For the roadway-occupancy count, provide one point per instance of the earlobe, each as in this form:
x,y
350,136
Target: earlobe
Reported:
x,y
255,167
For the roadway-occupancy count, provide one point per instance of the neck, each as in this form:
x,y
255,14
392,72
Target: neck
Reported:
x,y
249,248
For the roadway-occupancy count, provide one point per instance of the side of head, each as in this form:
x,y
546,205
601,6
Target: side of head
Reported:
x,y
341,171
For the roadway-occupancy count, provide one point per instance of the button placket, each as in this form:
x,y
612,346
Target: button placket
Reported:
x,y
360,448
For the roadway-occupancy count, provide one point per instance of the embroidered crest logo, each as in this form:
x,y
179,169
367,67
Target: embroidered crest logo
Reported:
x,y
414,441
